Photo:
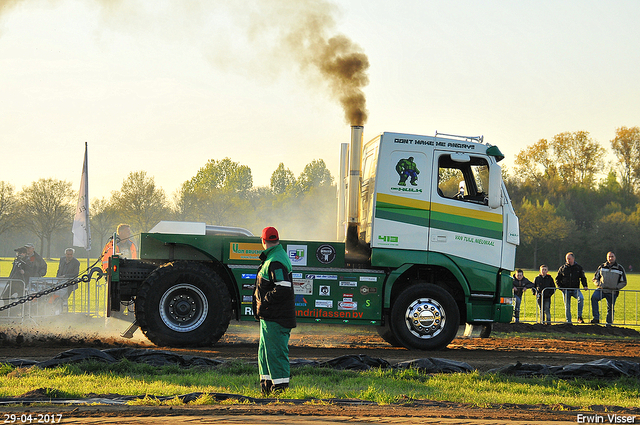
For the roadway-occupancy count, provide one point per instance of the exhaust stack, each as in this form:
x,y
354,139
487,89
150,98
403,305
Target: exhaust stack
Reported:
x,y
353,187
342,191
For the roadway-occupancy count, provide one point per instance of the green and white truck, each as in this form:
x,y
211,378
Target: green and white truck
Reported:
x,y
427,243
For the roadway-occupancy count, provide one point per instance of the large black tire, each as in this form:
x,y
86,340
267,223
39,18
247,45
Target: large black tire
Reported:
x,y
424,317
183,304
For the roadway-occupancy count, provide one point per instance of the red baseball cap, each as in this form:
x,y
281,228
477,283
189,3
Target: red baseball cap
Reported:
x,y
270,234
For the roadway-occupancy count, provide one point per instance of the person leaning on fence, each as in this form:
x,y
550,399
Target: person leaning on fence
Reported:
x,y
520,284
69,266
544,288
570,276
609,279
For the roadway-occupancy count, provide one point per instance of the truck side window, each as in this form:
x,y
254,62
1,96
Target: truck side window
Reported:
x,y
464,181
448,179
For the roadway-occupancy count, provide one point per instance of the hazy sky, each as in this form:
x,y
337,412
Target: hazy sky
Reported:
x,y
153,85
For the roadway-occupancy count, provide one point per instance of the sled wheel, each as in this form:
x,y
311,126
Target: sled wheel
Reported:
x,y
183,304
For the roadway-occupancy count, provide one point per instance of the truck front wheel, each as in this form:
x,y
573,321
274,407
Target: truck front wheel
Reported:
x,y
425,317
183,304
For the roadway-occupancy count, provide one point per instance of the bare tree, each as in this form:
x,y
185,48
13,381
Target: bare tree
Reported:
x,y
103,220
8,207
47,205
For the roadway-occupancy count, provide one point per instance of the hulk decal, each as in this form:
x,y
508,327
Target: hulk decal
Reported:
x,y
407,168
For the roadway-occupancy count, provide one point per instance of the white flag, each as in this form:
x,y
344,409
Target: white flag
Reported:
x,y
81,229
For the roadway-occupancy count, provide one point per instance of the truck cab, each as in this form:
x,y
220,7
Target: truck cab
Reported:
x,y
435,210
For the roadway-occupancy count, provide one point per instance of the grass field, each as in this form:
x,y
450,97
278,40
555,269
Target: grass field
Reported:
x,y
382,386
87,298
627,306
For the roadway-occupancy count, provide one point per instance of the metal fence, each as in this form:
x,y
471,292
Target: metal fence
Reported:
x,y
88,298
626,307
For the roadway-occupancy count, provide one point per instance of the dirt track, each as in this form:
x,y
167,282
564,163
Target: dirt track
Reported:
x,y
323,343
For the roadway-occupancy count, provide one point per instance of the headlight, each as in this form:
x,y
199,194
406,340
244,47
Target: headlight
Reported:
x,y
506,300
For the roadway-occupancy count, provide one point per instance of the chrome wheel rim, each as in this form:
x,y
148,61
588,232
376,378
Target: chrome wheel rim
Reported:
x,y
183,307
425,318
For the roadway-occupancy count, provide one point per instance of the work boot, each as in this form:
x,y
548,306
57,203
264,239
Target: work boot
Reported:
x,y
580,320
595,321
279,388
265,387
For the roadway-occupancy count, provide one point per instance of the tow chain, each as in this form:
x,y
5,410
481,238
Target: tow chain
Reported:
x,y
84,278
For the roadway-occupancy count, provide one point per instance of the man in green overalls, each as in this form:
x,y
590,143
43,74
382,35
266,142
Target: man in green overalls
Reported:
x,y
274,306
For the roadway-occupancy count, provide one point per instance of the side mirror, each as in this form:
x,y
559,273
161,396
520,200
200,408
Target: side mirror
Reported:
x,y
495,186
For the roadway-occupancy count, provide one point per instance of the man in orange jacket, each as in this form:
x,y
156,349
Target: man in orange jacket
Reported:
x,y
124,246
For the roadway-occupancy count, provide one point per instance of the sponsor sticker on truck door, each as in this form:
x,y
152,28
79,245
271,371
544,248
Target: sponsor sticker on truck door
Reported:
x,y
297,254
245,251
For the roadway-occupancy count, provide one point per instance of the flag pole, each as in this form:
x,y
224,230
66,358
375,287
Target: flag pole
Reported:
x,y
81,228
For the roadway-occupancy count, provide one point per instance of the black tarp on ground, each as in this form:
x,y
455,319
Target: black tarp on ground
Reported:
x,y
114,355
364,362
355,362
434,365
603,368
165,358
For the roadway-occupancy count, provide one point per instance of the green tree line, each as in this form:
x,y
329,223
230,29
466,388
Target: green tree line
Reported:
x,y
569,197
566,193
220,193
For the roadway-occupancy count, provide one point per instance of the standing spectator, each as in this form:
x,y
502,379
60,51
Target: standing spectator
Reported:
x,y
36,265
609,279
18,272
274,306
520,284
124,246
69,266
569,277
19,264
542,285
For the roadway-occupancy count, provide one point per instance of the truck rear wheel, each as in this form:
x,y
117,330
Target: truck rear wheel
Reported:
x,y
425,317
183,304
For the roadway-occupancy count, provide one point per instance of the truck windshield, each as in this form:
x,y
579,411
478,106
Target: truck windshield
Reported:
x,y
370,161
464,181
